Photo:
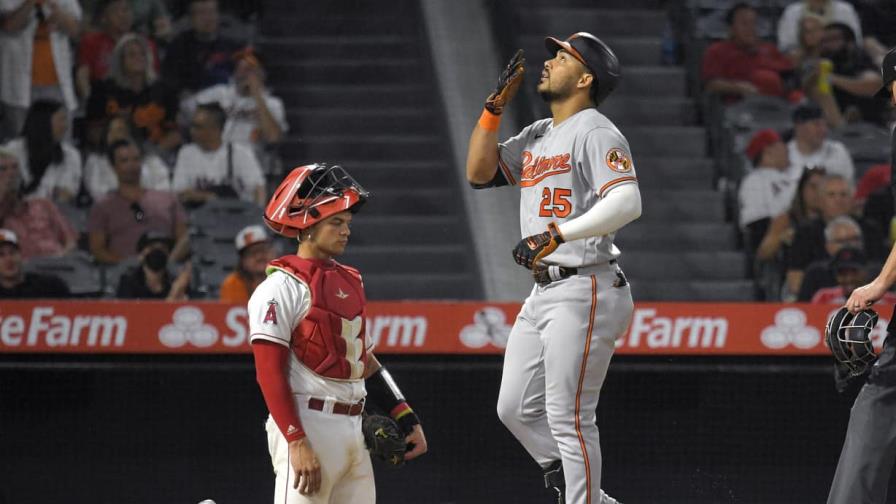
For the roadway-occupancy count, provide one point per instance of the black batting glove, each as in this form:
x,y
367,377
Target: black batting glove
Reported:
x,y
508,84
532,249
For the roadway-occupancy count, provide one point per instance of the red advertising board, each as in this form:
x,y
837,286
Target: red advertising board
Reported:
x,y
411,328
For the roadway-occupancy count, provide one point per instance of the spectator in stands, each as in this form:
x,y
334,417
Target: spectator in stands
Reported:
x,y
100,178
767,190
44,231
830,11
209,168
810,146
806,205
200,57
151,279
117,221
850,270
133,90
254,116
852,81
744,65
50,166
809,239
15,283
150,17
35,57
255,252
809,47
95,48
841,232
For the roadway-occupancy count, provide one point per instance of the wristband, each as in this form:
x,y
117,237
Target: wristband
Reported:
x,y
489,121
384,393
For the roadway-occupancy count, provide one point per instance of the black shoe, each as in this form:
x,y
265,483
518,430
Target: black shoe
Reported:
x,y
553,479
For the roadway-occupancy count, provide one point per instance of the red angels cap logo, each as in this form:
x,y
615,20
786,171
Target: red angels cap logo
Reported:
x,y
618,160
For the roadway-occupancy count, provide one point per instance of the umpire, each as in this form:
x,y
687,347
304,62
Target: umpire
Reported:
x,y
869,450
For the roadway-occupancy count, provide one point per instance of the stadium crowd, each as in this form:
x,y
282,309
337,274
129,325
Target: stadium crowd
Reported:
x,y
814,214
122,124
117,124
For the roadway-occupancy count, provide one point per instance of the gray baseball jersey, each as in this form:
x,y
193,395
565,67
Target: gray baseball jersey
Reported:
x,y
561,343
562,172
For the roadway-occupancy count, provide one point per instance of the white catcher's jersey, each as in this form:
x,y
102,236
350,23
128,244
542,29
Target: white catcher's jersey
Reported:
x,y
291,301
563,171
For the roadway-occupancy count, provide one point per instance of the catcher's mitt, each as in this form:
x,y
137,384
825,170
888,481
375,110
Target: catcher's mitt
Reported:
x,y
384,439
849,338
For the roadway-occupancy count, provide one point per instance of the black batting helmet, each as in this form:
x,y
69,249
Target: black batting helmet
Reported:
x,y
595,55
849,338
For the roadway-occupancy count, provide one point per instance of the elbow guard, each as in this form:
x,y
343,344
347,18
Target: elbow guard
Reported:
x,y
385,394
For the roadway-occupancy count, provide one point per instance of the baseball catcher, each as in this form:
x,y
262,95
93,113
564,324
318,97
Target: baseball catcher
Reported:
x,y
314,361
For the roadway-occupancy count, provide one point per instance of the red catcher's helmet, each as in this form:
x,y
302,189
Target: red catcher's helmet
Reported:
x,y
310,194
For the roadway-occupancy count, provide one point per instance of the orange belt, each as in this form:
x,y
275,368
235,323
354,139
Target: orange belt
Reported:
x,y
338,408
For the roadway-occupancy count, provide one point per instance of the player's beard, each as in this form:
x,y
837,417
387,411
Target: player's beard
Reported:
x,y
551,95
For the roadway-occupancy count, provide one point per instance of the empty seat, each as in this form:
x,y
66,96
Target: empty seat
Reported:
x,y
75,215
214,249
208,278
76,269
866,142
111,273
225,216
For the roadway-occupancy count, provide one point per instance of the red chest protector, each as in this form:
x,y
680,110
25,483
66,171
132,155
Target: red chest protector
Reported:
x,y
330,339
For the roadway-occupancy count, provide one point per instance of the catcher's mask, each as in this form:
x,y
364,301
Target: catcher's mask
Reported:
x,y
310,194
849,338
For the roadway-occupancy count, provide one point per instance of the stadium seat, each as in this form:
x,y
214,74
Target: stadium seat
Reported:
x,y
208,277
754,113
225,217
77,269
866,142
111,273
215,248
76,216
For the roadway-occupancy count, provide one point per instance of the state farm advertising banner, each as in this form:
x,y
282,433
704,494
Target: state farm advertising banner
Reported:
x,y
411,328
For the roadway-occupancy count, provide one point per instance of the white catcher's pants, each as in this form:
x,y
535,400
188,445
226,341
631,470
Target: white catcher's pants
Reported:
x,y
346,471
554,366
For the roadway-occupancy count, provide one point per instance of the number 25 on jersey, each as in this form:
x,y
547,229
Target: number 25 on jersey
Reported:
x,y
555,202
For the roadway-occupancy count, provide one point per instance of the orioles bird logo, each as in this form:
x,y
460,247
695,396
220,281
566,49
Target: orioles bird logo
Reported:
x,y
618,160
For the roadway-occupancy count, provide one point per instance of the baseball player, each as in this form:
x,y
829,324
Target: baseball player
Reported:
x,y
577,187
869,450
312,357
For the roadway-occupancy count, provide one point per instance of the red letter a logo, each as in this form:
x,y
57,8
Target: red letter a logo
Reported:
x,y
271,316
